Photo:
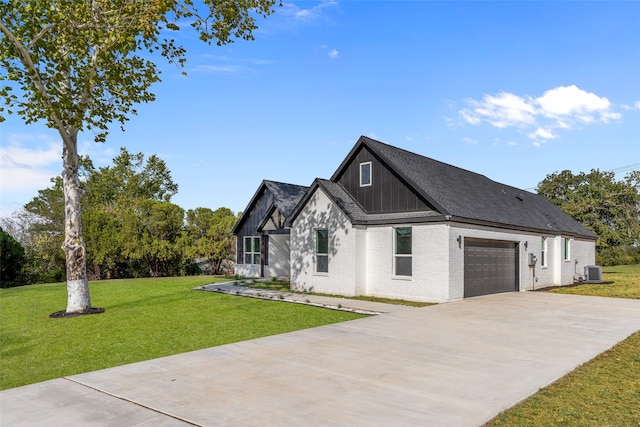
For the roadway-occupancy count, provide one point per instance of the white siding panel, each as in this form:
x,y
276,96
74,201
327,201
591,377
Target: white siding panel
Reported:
x,y
278,256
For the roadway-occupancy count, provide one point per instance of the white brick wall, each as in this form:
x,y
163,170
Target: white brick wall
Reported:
x,y
558,272
361,259
319,213
430,275
250,271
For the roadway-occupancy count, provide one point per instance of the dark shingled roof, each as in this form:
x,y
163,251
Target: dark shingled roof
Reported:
x,y
457,194
285,199
285,196
468,195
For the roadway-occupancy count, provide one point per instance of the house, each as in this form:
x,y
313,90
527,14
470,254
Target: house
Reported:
x,y
262,239
392,223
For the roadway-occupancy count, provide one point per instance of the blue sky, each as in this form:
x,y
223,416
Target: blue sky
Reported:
x,y
511,90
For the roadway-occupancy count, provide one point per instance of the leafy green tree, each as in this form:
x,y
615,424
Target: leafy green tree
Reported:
x,y
46,230
12,260
104,239
44,260
153,229
208,235
110,192
129,179
609,208
81,65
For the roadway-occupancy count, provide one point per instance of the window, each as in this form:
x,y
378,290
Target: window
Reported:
x,y
322,251
565,249
365,174
543,252
252,250
402,252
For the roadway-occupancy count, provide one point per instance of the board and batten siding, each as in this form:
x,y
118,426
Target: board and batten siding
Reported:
x,y
252,222
387,193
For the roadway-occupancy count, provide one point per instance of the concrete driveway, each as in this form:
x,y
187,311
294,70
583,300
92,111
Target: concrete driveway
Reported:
x,y
455,364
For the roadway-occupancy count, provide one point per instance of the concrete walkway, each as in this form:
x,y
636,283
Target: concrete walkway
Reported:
x,y
333,303
455,364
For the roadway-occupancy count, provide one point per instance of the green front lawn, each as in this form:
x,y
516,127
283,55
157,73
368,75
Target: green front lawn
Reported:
x,y
621,281
144,319
605,391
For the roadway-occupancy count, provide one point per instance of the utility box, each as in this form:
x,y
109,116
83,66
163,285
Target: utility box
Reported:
x,y
593,273
532,260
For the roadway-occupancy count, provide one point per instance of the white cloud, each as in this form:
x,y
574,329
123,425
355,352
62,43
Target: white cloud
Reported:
x,y
541,133
570,100
227,68
564,107
309,14
469,117
469,140
226,65
628,107
333,53
502,111
24,169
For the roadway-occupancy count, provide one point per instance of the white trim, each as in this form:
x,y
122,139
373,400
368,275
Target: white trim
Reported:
x,y
251,252
397,255
320,254
544,252
370,183
566,249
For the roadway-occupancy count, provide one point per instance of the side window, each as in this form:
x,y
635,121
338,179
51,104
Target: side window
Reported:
x,y
402,251
566,250
322,251
543,252
252,250
365,174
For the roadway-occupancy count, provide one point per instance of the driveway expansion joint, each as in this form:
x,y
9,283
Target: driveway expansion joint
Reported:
x,y
124,399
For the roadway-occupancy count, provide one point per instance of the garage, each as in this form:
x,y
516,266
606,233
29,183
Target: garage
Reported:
x,y
490,267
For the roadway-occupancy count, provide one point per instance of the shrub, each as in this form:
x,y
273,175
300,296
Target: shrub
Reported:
x,y
12,259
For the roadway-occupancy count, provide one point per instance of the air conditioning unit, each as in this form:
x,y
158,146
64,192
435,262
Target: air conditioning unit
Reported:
x,y
593,273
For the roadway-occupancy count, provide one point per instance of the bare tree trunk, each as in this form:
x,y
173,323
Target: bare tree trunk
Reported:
x,y
78,300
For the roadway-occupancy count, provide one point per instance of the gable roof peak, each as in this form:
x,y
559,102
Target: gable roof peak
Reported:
x,y
469,195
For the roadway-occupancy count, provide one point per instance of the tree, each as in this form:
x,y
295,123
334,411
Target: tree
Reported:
x,y
11,261
609,208
110,193
153,229
80,65
208,235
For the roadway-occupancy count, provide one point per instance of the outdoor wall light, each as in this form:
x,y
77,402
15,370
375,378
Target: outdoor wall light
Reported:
x,y
525,245
459,239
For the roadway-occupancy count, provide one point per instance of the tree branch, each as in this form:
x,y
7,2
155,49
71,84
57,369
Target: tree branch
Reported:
x,y
25,58
38,36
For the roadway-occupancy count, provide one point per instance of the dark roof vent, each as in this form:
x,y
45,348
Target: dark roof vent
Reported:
x,y
520,197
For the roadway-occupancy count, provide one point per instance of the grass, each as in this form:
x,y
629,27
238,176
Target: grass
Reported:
x,y
604,391
144,319
283,286
621,281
